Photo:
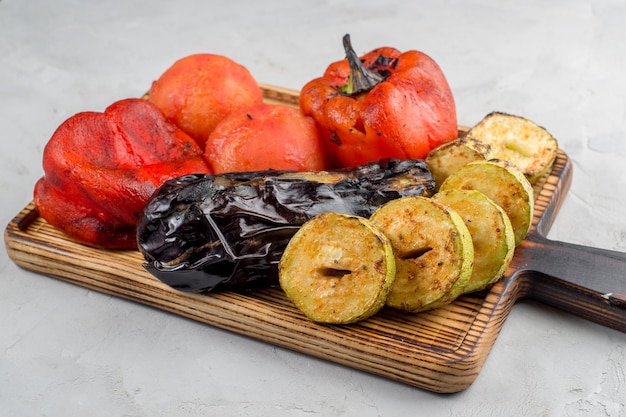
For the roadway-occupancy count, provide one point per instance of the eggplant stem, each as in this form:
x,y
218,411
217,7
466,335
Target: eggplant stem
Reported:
x,y
361,79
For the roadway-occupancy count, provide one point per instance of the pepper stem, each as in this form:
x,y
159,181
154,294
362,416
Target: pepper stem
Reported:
x,y
361,78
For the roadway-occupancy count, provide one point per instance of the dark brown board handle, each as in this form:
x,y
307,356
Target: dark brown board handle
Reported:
x,y
585,281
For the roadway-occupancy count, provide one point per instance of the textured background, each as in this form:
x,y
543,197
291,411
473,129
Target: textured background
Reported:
x,y
67,351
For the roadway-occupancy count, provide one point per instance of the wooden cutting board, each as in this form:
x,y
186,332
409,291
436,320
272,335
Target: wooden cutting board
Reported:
x,y
441,350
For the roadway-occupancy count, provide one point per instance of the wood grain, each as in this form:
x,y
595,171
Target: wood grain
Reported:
x,y
441,350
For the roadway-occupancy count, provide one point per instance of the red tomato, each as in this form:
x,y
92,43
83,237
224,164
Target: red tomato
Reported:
x,y
266,136
198,91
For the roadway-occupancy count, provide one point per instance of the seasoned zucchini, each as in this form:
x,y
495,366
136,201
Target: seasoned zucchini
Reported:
x,y
433,252
445,159
503,183
518,140
337,269
199,232
491,230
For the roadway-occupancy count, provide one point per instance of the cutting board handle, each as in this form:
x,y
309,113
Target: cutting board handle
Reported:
x,y
585,281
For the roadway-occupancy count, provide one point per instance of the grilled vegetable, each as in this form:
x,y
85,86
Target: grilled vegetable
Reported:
x,y
433,252
266,136
383,104
100,169
518,140
201,231
492,234
197,91
445,159
337,268
503,183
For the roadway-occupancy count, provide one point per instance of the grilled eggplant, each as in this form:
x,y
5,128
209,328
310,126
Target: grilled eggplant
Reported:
x,y
200,232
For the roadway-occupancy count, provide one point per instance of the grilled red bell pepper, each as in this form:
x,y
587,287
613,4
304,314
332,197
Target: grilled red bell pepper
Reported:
x,y
387,104
100,169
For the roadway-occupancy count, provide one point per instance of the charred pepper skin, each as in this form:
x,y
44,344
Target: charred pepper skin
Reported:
x,y
201,233
100,168
385,104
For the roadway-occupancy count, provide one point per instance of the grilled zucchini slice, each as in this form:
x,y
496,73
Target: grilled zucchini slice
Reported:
x,y
492,234
337,268
447,158
503,183
518,140
433,252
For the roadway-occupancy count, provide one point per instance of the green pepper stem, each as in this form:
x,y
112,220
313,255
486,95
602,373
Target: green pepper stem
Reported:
x,y
361,79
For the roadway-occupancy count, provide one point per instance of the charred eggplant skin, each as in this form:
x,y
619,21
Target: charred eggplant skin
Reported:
x,y
202,232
